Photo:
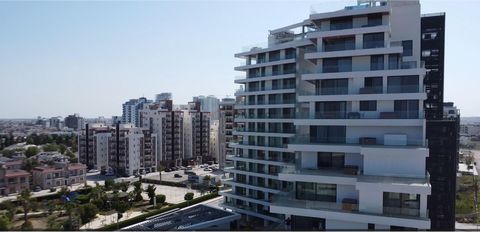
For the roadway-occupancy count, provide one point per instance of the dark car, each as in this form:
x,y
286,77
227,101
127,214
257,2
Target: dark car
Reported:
x,y
177,175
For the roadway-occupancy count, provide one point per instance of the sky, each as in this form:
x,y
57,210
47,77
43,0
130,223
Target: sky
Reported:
x,y
88,57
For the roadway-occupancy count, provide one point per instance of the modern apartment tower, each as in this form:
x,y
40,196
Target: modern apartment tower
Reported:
x,y
167,123
197,133
93,146
131,110
225,130
335,127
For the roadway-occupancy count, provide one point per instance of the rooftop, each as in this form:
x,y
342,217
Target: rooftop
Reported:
x,y
197,217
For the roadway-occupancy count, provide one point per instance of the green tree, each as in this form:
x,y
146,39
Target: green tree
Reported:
x,y
161,199
50,147
188,196
31,151
73,221
205,184
123,186
10,208
87,212
52,223
120,207
8,153
151,192
64,191
27,202
109,184
5,223
137,189
62,148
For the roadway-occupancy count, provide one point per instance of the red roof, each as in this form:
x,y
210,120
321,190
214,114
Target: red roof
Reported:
x,y
16,173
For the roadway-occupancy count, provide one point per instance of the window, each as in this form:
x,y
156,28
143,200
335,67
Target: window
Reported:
x,y
401,204
330,110
368,105
332,87
376,62
406,108
337,65
327,134
403,84
393,61
330,160
338,44
341,23
372,85
374,20
371,226
374,40
407,47
316,192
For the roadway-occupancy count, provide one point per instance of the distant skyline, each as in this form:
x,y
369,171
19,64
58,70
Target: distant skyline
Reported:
x,y
89,57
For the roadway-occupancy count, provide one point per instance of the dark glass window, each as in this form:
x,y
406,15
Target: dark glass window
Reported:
x,y
373,85
393,61
368,105
407,47
401,204
337,65
373,40
402,84
327,134
316,192
339,44
332,87
341,23
330,160
406,108
374,20
376,62
330,110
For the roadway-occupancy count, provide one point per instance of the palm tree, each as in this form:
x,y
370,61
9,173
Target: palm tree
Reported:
x,y
137,190
151,192
27,202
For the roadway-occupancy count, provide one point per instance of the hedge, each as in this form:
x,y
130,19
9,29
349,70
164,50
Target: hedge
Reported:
x,y
170,183
143,217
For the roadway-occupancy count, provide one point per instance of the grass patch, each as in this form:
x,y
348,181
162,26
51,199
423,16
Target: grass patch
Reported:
x,y
465,196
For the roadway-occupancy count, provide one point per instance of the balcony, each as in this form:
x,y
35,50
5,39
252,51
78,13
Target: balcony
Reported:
x,y
360,115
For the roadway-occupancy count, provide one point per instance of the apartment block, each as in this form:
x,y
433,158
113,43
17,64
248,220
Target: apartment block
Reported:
x,y
160,118
225,130
334,134
93,146
13,181
131,110
132,150
197,133
47,177
74,122
214,145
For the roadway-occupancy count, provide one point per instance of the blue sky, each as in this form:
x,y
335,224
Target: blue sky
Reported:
x,y
58,58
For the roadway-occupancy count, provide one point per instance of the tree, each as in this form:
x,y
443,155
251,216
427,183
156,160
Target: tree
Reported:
x,y
5,223
87,212
188,196
109,184
205,184
8,153
52,223
151,192
31,151
62,148
64,191
28,203
160,169
161,199
73,221
123,186
120,207
138,190
10,208
50,147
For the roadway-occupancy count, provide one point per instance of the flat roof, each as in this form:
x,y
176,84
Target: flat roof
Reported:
x,y
191,218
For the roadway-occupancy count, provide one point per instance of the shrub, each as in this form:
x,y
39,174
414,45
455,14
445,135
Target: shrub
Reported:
x,y
87,212
5,223
83,199
188,196
27,226
160,199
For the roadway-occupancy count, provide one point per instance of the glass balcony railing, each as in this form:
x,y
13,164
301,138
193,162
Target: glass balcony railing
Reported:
x,y
289,200
396,211
367,141
403,88
360,115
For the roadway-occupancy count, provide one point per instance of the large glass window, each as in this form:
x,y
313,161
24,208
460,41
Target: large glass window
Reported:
x,y
401,204
376,62
332,87
327,134
407,47
372,85
339,44
330,160
406,108
316,192
274,56
373,40
341,23
368,105
331,65
374,20
393,61
403,84
330,110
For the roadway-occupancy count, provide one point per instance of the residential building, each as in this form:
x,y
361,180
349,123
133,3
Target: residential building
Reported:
x,y
131,110
196,133
13,181
208,104
74,122
214,140
334,135
47,177
93,146
167,123
163,97
225,130
55,122
132,150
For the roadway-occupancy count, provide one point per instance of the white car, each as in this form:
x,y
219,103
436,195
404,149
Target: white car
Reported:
x,y
92,171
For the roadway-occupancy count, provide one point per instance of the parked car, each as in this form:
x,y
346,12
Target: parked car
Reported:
x,y
182,168
37,188
177,175
207,169
189,167
92,170
168,170
190,173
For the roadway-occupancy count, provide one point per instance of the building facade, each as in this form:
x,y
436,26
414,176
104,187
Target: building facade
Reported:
x,y
74,122
58,175
214,140
334,124
93,146
197,133
131,110
167,123
225,130
13,181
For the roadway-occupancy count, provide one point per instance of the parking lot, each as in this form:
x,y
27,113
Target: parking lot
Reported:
x,y
170,176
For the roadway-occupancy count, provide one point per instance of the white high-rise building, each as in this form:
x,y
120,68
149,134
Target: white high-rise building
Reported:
x,y
225,129
131,110
334,127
